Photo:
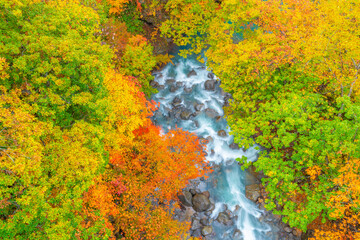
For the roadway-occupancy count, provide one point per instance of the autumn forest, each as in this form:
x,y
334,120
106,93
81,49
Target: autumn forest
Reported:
x,y
80,154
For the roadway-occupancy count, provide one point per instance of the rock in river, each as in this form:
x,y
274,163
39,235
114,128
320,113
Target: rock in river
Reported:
x,y
185,114
191,73
224,218
252,192
185,198
206,230
210,85
201,203
222,133
176,102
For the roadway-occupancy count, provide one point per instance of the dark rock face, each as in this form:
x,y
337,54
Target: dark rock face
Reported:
x,y
222,133
176,102
224,218
201,203
252,192
185,115
210,85
191,73
206,230
185,198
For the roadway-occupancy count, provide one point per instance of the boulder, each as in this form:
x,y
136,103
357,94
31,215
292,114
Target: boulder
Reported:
x,y
200,202
211,113
252,192
234,146
206,193
204,221
179,84
222,133
170,81
206,230
154,84
195,224
185,114
173,88
191,73
210,85
199,107
210,75
185,198
176,102
224,218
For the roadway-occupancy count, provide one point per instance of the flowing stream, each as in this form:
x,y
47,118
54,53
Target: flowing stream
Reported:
x,y
190,98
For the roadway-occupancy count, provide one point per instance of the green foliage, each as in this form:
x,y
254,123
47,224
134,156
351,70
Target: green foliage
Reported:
x,y
131,17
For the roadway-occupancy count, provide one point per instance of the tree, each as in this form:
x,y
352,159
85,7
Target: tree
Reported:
x,y
294,81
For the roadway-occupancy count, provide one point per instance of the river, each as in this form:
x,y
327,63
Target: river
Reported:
x,y
190,97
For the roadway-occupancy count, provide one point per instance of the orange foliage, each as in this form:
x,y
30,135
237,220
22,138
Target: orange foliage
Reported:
x,y
345,204
146,168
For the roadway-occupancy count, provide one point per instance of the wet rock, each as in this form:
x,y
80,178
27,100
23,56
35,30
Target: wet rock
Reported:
x,y
170,81
237,234
185,115
192,191
176,102
161,87
222,133
252,192
224,218
206,193
195,224
210,85
199,107
230,213
196,122
191,73
207,230
188,89
202,179
173,88
211,113
185,198
201,203
234,146
212,207
154,84
179,84
287,229
204,221
208,213
210,75
209,138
